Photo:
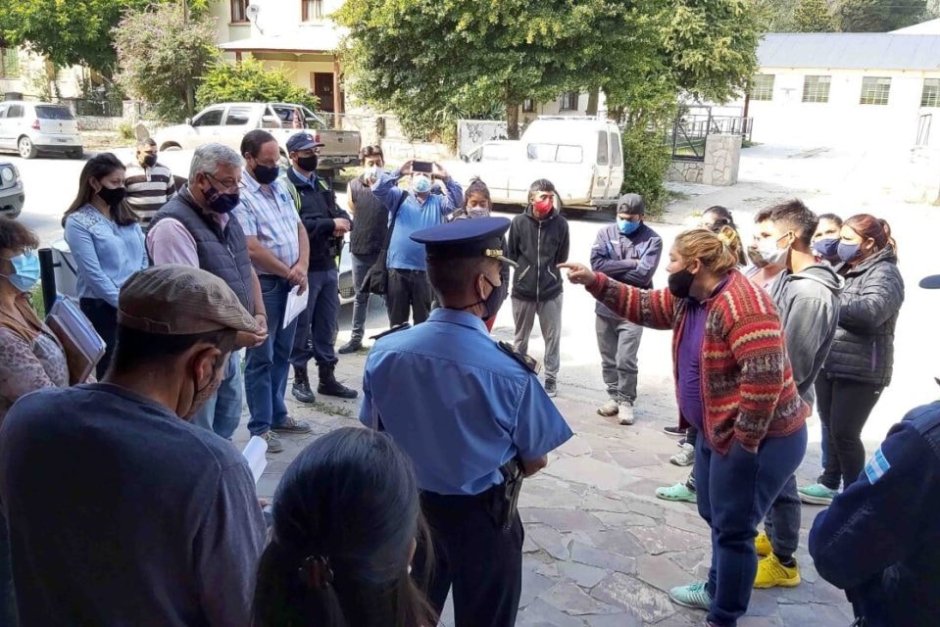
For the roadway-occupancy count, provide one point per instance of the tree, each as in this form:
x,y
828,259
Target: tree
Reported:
x,y
250,81
162,55
813,16
878,16
72,32
775,16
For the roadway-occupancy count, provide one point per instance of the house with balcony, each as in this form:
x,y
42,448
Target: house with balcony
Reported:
x,y
296,36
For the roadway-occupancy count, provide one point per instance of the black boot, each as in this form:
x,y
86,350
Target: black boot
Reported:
x,y
349,347
301,388
330,386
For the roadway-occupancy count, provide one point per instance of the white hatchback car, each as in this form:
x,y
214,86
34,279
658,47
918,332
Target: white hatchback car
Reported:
x,y
30,128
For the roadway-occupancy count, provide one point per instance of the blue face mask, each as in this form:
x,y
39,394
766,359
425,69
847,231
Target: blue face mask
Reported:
x,y
848,252
421,185
828,249
626,226
25,271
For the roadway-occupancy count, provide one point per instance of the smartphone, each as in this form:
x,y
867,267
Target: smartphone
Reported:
x,y
421,166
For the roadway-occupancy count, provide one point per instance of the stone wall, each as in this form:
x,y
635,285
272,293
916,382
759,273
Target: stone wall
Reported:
x,y
720,166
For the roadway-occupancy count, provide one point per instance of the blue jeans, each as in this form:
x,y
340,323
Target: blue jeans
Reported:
x,y
734,492
360,267
318,323
267,366
223,411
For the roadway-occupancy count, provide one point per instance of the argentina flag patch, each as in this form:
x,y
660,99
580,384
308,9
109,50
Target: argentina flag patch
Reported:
x,y
876,467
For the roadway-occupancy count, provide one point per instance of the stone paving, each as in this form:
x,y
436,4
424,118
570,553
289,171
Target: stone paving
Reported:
x,y
600,549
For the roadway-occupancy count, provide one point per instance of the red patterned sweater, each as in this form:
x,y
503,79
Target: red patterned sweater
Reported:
x,y
748,391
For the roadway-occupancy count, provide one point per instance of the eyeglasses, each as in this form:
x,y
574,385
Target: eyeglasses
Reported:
x,y
227,184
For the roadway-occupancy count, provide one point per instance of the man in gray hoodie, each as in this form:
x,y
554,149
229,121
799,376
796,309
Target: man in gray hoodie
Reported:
x,y
806,294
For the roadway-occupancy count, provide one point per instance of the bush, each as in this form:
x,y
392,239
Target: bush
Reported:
x,y
645,161
250,81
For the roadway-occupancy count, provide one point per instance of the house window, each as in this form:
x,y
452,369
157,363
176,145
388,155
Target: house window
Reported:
x,y
528,105
9,63
816,88
569,101
875,90
762,87
930,97
311,10
239,11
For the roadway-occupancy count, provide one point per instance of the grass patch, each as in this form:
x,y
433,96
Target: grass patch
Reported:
x,y
332,410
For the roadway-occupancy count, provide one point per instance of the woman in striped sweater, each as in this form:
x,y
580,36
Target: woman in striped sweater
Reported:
x,y
734,383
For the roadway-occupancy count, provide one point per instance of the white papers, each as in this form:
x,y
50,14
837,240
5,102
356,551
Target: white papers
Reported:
x,y
296,303
254,454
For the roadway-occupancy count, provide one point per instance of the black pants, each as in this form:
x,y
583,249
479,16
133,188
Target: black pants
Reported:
x,y
475,555
409,292
844,407
104,318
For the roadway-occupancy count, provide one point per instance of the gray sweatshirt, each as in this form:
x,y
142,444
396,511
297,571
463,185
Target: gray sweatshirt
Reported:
x,y
808,303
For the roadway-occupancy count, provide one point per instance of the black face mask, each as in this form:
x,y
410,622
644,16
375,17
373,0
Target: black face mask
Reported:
x,y
266,174
490,303
114,196
308,164
680,283
150,161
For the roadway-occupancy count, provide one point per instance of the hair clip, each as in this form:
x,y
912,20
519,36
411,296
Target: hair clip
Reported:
x,y
315,571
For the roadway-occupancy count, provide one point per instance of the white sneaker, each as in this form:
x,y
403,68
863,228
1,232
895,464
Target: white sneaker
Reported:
x,y
609,408
685,457
625,412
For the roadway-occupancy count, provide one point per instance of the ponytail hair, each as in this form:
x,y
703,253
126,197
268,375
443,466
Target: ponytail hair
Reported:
x,y
717,251
876,229
346,517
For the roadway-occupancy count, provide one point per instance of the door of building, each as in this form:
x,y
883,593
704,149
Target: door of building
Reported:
x,y
323,89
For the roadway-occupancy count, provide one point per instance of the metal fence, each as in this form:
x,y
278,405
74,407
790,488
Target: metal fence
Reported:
x,y
692,127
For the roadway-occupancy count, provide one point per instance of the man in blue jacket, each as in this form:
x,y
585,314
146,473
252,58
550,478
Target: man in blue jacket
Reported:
x,y
880,539
627,251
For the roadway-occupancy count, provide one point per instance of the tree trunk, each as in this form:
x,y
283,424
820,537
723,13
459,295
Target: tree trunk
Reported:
x,y
512,120
594,97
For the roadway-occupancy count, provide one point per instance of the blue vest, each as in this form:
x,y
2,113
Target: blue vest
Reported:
x,y
223,252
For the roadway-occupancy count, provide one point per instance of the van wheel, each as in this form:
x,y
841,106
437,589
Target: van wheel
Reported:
x,y
75,154
26,148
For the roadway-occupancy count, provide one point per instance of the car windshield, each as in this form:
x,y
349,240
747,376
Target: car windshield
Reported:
x,y
50,112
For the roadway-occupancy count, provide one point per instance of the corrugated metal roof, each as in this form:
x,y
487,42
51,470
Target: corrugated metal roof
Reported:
x,y
930,27
855,51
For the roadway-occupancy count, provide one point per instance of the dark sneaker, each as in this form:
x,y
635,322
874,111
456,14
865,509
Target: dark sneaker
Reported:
x,y
302,392
350,347
678,432
274,443
551,388
293,426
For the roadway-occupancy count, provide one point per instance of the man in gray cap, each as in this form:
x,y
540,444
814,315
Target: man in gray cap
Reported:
x,y
120,511
629,252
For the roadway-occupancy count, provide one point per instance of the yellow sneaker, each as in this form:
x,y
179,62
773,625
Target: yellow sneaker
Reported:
x,y
771,573
762,544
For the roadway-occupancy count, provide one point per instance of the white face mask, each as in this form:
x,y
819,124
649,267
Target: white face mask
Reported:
x,y
772,254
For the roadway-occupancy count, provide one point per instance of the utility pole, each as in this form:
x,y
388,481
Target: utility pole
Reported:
x,y
190,94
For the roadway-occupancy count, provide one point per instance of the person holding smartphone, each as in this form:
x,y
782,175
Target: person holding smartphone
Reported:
x,y
409,292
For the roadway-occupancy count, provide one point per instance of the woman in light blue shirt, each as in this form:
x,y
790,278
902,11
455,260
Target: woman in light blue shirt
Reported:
x,y
107,244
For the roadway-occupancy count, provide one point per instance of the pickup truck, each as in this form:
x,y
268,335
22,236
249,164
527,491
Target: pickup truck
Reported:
x,y
227,123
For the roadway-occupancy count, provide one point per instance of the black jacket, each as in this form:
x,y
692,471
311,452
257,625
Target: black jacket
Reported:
x,y
538,246
880,539
863,348
317,211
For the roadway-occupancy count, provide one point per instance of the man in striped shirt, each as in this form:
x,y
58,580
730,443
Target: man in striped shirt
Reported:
x,y
149,184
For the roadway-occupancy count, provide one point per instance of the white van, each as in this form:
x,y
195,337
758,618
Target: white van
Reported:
x,y
583,157
31,128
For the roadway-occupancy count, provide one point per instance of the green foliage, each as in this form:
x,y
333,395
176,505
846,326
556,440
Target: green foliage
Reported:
x,y
162,57
878,16
813,16
775,16
250,81
126,131
67,32
645,161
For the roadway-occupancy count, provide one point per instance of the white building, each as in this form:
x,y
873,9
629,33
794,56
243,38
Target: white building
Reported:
x,y
296,36
842,89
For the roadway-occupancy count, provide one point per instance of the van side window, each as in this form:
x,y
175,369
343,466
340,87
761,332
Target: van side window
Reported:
x,y
616,150
603,157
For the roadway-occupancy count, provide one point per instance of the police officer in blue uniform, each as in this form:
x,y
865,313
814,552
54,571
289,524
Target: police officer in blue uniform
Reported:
x,y
474,420
880,539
